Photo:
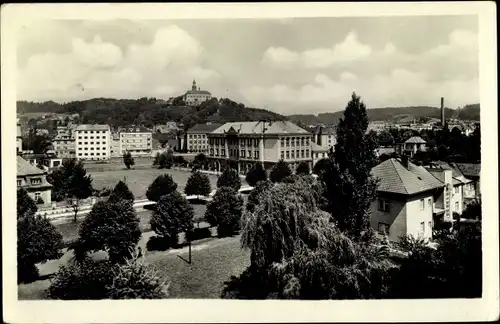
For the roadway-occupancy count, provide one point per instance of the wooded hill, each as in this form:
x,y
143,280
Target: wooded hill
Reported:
x,y
395,114
149,111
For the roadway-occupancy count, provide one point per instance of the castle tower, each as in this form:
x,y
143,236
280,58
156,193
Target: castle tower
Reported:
x,y
194,85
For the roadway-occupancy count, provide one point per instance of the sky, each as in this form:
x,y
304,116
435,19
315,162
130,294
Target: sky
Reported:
x,y
290,66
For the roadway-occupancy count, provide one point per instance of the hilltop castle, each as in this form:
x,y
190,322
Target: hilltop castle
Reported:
x,y
196,96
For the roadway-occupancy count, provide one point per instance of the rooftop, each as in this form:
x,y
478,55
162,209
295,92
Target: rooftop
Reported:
x,y
316,148
85,127
395,178
328,130
260,127
469,169
415,140
198,92
133,129
24,168
203,128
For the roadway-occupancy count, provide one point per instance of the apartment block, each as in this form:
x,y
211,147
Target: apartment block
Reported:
x,y
136,140
92,142
196,137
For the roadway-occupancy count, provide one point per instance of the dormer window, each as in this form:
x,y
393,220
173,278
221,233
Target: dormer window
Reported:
x,y
36,181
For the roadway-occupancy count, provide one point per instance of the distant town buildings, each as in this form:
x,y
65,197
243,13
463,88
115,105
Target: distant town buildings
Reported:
x,y
196,137
168,127
241,144
45,161
318,153
136,140
411,146
34,181
92,142
64,141
196,96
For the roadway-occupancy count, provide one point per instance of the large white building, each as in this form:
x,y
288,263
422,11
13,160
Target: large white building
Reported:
x,y
136,140
93,142
241,144
196,96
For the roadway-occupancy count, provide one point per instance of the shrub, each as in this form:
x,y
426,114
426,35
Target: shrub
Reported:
x,y
134,279
224,211
280,171
229,178
173,214
198,234
162,185
157,243
256,174
198,184
112,227
303,168
121,192
37,241
85,280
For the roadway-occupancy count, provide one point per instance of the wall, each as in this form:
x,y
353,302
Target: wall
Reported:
x,y
271,150
45,194
415,215
395,217
457,197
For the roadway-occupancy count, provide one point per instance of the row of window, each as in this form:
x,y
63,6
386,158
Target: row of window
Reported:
x,y
234,153
242,141
384,228
294,141
91,143
286,155
135,135
92,132
196,135
92,154
91,137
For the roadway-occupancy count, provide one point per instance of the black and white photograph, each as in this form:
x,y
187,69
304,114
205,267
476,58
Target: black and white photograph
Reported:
x,y
179,154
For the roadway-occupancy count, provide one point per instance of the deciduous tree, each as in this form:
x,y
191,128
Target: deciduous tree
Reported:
x,y
111,227
198,184
229,178
303,168
173,214
280,171
225,211
162,185
121,192
128,160
25,205
256,174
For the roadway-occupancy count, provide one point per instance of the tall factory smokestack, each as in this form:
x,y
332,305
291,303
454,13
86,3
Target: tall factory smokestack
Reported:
x,y
442,112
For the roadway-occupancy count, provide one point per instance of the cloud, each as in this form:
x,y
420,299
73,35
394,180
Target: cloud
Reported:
x,y
350,49
162,68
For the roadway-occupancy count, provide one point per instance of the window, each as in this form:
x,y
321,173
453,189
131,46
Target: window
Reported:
x,y
422,204
383,205
242,153
297,154
456,206
456,189
256,154
287,155
282,155
383,228
430,225
422,227
37,196
302,153
429,202
79,154
19,182
282,142
293,154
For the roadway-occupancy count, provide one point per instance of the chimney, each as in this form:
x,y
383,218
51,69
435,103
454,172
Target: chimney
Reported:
x,y
405,161
442,112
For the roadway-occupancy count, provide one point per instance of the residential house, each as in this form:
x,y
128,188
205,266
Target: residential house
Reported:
x,y
452,199
471,171
406,197
196,137
411,146
45,161
93,142
64,144
241,144
34,181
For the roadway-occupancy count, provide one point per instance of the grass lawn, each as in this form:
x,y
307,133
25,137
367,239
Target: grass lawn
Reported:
x,y
214,260
139,180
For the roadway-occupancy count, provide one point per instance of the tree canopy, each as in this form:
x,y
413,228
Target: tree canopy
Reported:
x,y
225,211
256,174
128,160
70,181
280,171
25,204
229,178
303,168
162,185
198,184
121,192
